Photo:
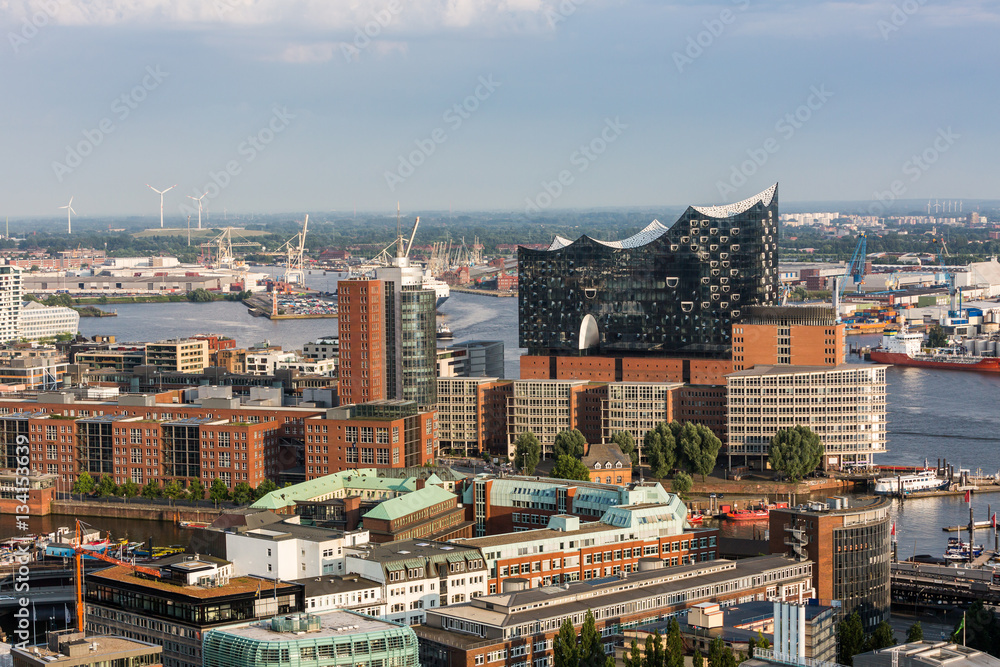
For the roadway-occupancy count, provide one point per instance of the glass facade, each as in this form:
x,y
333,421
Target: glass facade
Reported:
x,y
861,555
673,290
419,333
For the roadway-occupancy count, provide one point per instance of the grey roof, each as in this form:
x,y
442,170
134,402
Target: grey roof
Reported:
x,y
605,453
286,531
409,550
327,585
784,369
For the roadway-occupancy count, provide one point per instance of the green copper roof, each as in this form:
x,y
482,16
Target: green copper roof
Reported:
x,y
360,480
395,508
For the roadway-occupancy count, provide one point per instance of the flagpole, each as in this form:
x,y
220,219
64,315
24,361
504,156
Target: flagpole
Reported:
x,y
963,628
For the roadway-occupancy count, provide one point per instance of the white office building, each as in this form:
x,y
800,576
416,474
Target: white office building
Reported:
x,y
10,303
289,551
38,321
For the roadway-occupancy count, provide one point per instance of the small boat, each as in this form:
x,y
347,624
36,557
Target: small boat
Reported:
x,y
695,518
748,515
193,524
958,550
444,333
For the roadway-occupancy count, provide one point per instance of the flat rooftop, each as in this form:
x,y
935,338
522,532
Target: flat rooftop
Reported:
x,y
108,647
533,535
316,586
332,624
237,585
800,370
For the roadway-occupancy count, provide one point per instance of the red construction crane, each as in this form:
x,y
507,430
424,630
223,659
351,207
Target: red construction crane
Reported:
x,y
80,551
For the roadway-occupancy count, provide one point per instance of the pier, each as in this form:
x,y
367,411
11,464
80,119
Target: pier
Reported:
x,y
937,585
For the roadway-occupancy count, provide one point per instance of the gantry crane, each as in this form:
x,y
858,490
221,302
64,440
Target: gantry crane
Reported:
x,y
294,249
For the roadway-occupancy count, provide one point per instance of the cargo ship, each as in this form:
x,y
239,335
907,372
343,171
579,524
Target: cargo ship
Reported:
x,y
905,349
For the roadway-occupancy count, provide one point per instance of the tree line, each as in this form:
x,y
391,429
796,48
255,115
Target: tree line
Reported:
x,y
241,494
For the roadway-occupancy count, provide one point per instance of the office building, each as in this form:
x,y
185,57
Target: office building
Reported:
x,y
344,592
38,321
174,610
927,653
478,358
549,407
361,319
796,335
32,368
326,347
521,623
664,291
10,303
850,547
67,648
638,407
184,355
472,415
567,550
430,512
844,405
335,639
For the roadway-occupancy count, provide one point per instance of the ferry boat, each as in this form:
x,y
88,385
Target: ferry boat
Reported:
x,y
905,349
925,480
444,333
441,289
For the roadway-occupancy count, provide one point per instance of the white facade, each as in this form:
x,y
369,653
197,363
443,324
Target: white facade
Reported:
x,y
10,303
326,367
288,553
264,363
38,321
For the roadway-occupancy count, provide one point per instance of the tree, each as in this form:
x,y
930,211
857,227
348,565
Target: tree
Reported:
x,y
129,489
564,650
152,490
795,452
84,483
633,657
675,645
591,644
200,295
915,633
697,660
527,452
698,448
681,484
881,637
569,442
196,490
264,488
242,494
219,491
107,487
936,337
174,490
626,443
850,638
654,651
568,467
660,449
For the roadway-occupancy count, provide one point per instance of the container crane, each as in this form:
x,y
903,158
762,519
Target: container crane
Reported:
x,y
855,269
79,552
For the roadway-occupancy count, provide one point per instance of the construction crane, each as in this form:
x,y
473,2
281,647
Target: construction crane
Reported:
x,y
855,269
79,552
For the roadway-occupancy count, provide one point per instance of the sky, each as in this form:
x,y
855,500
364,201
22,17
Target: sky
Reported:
x,y
522,105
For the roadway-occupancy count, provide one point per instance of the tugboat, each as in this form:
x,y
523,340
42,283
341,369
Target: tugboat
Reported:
x,y
444,333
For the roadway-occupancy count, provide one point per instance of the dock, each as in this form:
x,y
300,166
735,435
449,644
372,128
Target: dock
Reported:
x,y
936,585
980,525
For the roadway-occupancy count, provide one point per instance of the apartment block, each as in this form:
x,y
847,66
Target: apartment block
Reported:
x,y
472,415
184,355
548,407
844,405
361,310
796,335
10,303
637,407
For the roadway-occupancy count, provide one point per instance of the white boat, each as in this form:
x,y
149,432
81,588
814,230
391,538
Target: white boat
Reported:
x,y
441,289
926,480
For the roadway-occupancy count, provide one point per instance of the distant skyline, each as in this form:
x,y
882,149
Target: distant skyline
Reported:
x,y
474,105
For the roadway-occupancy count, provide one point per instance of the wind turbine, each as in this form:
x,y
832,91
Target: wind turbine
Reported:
x,y
161,193
197,199
69,215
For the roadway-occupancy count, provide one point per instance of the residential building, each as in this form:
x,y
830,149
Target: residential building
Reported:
x,y
475,358
175,611
123,357
472,415
185,355
420,575
844,405
568,550
383,434
513,503
324,367
10,303
430,512
361,319
67,648
608,464
264,362
32,368
288,550
520,623
38,321
338,638
927,653
327,347
548,407
796,335
850,547
349,592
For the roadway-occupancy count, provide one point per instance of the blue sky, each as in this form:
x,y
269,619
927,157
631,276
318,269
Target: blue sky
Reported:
x,y
281,105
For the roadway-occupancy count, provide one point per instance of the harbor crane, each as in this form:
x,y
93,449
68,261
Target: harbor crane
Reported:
x,y
294,250
223,245
855,269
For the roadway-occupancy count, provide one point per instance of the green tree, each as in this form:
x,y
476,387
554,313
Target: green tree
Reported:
x,y
568,467
762,640
107,487
564,650
660,450
84,483
936,337
152,490
633,657
200,295
219,491
850,638
570,442
196,490
591,645
648,652
681,484
626,443
675,645
698,448
881,637
697,660
174,490
129,489
795,452
264,488
242,494
527,452
716,651
915,633
655,656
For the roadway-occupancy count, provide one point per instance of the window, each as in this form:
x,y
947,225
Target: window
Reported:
x,y
351,434
366,434
382,436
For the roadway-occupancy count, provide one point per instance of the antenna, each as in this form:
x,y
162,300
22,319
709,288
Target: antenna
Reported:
x,y
69,216
161,193
197,199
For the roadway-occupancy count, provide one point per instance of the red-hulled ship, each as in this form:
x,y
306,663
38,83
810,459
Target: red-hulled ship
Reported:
x,y
904,349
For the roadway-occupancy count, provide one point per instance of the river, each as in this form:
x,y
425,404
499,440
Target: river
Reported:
x,y
931,413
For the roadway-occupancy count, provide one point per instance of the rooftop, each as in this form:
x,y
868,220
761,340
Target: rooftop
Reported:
x,y
331,624
327,486
783,369
286,530
415,501
236,586
316,586
93,647
413,550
